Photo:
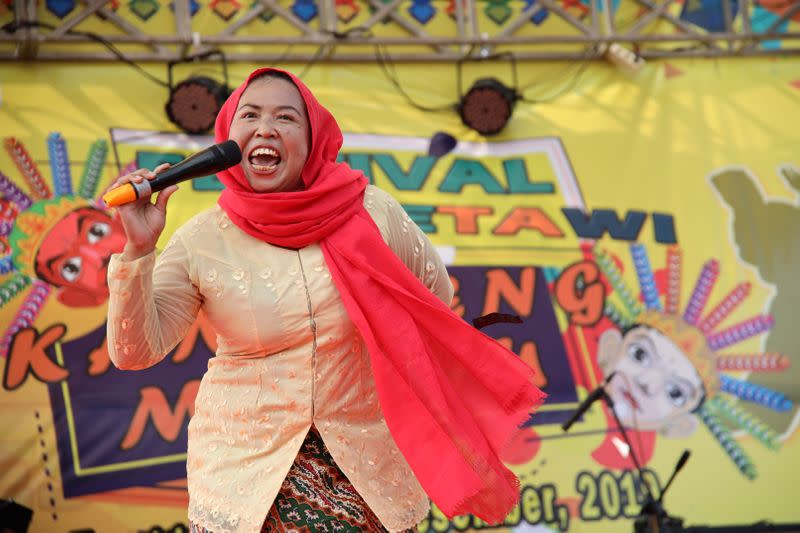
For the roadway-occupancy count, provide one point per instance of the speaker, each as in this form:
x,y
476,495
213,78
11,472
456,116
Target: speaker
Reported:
x,y
14,518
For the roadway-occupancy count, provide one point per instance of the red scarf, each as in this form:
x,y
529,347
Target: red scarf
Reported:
x,y
451,396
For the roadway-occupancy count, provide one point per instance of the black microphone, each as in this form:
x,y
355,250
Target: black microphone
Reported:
x,y
681,462
595,395
213,159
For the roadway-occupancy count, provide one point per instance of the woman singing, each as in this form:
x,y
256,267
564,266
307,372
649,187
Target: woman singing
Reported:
x,y
344,393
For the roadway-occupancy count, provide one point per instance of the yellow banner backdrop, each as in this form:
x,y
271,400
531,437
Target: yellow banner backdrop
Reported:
x,y
643,226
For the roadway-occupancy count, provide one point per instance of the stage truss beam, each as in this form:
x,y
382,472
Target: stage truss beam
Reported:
x,y
582,37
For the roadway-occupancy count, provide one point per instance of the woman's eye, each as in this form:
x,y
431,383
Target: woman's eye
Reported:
x,y
285,117
675,394
71,269
98,231
638,353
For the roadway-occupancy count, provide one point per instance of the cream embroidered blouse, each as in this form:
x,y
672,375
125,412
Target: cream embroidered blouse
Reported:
x,y
288,356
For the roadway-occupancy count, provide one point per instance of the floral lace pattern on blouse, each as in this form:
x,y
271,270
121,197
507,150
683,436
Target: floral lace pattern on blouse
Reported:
x,y
288,356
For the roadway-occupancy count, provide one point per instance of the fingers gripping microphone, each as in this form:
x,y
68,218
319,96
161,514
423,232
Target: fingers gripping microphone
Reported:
x,y
213,159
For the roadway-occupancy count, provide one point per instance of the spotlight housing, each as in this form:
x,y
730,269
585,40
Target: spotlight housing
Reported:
x,y
487,106
194,103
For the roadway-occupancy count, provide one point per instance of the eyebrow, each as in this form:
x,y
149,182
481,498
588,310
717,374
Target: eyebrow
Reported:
x,y
278,108
79,224
689,385
49,264
645,339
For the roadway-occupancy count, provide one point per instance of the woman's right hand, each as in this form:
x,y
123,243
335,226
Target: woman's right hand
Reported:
x,y
142,219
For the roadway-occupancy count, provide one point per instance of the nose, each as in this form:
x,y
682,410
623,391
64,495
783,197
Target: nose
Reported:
x,y
265,129
649,382
91,255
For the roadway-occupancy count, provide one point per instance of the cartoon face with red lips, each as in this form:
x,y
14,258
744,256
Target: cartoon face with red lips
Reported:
x,y
75,253
656,387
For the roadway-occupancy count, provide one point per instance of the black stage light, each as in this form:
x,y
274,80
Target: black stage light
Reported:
x,y
194,103
487,106
14,517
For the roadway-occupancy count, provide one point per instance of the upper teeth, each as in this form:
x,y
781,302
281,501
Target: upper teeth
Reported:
x,y
264,151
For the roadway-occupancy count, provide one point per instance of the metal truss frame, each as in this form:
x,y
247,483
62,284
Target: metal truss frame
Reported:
x,y
583,38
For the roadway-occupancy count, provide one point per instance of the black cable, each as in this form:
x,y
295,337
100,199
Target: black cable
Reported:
x,y
314,60
13,27
588,55
387,67
383,58
338,36
568,87
492,56
283,56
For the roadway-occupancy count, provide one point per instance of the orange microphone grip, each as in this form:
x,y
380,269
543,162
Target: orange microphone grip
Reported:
x,y
120,195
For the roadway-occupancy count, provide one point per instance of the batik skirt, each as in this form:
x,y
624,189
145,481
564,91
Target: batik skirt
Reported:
x,y
316,496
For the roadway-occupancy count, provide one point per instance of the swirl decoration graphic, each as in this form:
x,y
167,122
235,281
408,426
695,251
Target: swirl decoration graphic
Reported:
x,y
697,335
29,227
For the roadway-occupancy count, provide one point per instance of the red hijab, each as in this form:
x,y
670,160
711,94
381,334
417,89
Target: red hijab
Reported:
x,y
451,396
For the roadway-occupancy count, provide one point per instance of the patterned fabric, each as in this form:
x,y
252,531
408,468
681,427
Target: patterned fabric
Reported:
x,y
317,497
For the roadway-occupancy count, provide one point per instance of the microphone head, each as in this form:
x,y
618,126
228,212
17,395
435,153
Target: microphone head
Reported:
x,y
682,460
230,151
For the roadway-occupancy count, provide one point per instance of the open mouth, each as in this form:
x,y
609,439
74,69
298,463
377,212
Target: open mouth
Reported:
x,y
264,159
